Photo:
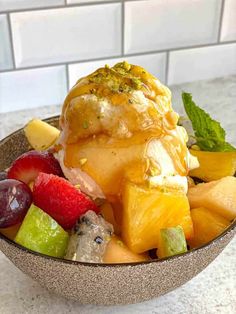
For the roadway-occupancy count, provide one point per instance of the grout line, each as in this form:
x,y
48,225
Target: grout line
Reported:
x,y
60,6
119,56
221,20
167,67
11,41
60,63
67,78
123,28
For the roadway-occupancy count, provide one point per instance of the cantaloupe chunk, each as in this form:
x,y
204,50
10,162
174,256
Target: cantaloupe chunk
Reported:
x,y
118,252
108,214
218,196
214,165
10,232
40,134
207,226
147,210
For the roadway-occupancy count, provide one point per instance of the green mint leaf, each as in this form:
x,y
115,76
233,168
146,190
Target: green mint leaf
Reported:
x,y
209,134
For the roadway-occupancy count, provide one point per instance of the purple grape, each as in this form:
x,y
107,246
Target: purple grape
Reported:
x,y
3,175
15,200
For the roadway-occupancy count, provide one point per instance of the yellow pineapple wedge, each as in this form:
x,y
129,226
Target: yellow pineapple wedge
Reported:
x,y
207,226
214,165
118,252
147,210
218,196
40,134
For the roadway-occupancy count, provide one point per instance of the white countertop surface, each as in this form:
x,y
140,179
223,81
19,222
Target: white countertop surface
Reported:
x,y
212,291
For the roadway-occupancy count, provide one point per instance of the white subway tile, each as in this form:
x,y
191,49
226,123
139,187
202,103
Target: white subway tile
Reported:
x,y
32,88
228,31
5,49
69,34
10,5
162,24
154,63
202,63
84,1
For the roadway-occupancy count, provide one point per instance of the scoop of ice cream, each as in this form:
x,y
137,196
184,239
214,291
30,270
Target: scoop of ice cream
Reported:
x,y
118,124
117,102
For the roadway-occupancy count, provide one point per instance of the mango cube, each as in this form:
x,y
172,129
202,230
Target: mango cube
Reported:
x,y
207,226
118,252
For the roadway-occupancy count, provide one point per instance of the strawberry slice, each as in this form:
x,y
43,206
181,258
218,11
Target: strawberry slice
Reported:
x,y
27,167
60,199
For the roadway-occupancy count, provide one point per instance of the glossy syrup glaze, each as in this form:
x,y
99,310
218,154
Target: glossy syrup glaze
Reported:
x,y
109,120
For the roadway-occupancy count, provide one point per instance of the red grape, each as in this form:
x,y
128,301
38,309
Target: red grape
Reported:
x,y
15,200
3,175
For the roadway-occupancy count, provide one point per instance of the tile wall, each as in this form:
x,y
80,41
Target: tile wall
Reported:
x,y
45,46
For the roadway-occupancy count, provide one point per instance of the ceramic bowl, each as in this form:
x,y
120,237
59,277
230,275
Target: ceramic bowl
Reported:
x,y
106,284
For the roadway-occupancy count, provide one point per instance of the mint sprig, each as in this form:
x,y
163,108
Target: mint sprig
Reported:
x,y
209,134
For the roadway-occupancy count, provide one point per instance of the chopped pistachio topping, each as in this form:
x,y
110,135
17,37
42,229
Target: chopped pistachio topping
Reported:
x,y
137,84
123,65
120,243
85,124
83,161
118,78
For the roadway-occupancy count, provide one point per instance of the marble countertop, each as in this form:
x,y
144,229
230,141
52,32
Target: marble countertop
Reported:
x,y
212,291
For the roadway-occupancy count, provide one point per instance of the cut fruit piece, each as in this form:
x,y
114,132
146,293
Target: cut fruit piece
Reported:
x,y
108,214
89,238
218,196
40,233
171,242
146,211
111,158
40,134
10,232
214,165
61,200
118,252
15,200
207,226
27,167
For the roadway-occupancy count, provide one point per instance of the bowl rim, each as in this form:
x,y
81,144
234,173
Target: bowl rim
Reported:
x,y
230,228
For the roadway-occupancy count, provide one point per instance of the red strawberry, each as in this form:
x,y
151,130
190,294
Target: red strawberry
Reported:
x,y
60,199
27,167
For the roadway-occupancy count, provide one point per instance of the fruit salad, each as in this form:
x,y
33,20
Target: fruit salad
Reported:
x,y
123,179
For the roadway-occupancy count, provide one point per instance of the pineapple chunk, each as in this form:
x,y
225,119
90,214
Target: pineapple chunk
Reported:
x,y
218,196
207,226
118,252
209,169
40,134
146,211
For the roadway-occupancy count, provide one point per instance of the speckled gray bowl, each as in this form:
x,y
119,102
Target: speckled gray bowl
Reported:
x,y
105,284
